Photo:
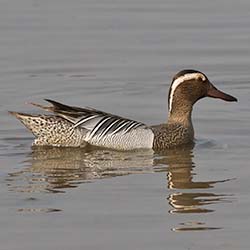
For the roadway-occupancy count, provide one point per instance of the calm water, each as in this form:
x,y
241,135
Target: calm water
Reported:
x,y
119,56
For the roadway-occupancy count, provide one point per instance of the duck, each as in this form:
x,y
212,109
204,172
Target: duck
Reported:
x,y
71,126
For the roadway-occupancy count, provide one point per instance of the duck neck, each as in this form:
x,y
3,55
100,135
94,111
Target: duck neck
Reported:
x,y
181,115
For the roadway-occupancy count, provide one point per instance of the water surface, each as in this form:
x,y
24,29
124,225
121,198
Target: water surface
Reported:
x,y
120,56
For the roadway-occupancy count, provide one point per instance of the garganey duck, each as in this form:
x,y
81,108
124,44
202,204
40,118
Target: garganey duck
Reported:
x,y
71,126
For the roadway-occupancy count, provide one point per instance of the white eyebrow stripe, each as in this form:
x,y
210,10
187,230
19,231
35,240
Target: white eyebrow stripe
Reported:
x,y
180,80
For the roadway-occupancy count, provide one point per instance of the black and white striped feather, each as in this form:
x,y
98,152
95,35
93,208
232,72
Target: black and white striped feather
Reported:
x,y
98,123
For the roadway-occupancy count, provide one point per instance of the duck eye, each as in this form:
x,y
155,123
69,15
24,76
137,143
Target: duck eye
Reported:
x,y
202,79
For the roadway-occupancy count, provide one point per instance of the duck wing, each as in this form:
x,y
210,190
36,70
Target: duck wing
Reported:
x,y
99,124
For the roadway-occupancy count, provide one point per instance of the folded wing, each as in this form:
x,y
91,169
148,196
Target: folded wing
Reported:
x,y
104,129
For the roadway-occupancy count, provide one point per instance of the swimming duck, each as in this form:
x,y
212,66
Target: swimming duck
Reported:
x,y
71,126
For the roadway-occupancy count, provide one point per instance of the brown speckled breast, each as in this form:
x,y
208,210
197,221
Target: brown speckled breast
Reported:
x,y
171,135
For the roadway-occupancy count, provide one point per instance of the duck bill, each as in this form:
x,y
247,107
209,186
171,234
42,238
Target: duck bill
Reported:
x,y
215,93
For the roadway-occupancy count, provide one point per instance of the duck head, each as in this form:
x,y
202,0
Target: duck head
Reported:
x,y
189,86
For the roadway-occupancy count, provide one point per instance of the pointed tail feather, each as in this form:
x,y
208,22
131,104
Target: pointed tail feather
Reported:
x,y
20,116
47,108
59,107
51,130
35,123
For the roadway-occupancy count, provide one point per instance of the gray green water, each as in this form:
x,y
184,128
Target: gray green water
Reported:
x,y
119,56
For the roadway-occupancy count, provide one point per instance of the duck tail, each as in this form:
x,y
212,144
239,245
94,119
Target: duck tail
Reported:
x,y
51,130
35,123
56,107
47,108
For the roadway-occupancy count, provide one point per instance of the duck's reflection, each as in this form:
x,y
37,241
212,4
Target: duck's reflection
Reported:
x,y
55,169
180,172
184,197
